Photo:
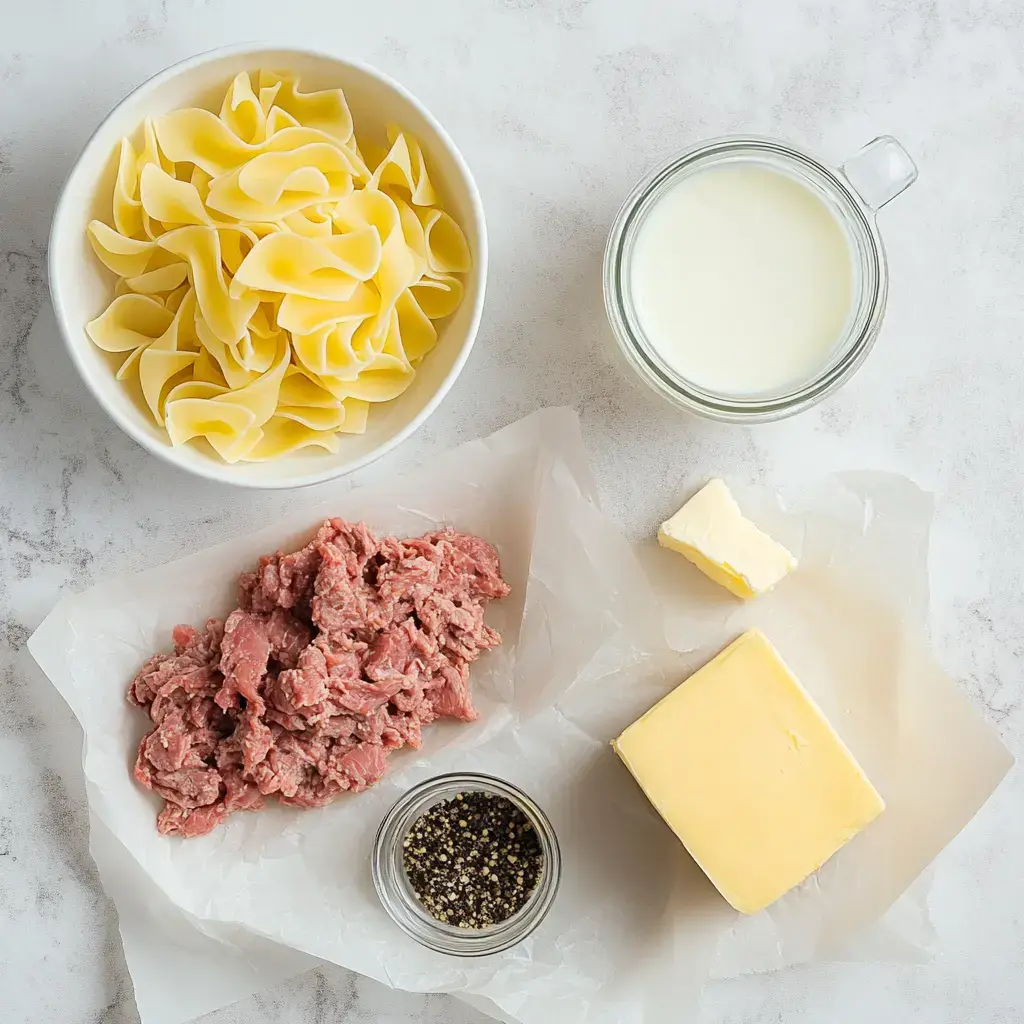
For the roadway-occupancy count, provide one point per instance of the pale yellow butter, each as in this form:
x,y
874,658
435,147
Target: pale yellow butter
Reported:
x,y
711,531
749,774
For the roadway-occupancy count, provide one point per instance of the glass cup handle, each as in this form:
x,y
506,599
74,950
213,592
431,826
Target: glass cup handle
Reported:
x,y
880,171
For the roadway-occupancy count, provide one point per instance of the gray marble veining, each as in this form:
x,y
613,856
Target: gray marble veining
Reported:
x,y
558,105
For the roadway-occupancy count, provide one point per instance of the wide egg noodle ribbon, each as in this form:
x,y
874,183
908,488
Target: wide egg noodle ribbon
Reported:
x,y
129,322
242,111
169,355
326,110
226,315
169,200
125,256
318,269
231,421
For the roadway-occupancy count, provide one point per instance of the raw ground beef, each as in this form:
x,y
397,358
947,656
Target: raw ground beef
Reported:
x,y
338,654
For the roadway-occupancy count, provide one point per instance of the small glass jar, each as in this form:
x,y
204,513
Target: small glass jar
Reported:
x,y
854,193
396,893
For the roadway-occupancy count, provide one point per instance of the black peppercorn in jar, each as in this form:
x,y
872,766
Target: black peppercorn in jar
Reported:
x,y
466,864
473,860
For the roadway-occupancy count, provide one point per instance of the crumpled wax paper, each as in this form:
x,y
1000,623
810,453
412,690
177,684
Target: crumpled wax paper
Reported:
x,y
593,637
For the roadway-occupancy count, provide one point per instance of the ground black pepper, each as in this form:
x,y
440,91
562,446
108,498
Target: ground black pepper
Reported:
x,y
473,860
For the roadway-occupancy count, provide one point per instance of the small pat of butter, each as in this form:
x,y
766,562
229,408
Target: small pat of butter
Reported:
x,y
749,774
712,533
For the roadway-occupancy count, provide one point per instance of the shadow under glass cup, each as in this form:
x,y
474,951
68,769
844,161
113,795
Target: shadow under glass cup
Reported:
x,y
852,195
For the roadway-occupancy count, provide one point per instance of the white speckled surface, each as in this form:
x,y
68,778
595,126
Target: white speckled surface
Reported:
x,y
559,107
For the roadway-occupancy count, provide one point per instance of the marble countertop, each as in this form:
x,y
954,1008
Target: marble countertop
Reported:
x,y
559,106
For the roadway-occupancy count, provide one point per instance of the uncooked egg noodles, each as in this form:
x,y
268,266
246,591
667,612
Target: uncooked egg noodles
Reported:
x,y
271,284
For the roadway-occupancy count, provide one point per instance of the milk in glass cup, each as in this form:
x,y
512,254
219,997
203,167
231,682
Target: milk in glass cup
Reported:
x,y
745,280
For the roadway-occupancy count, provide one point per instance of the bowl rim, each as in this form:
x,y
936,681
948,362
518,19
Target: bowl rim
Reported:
x,y
211,470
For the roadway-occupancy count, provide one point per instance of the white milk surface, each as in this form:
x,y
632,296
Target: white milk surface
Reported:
x,y
742,279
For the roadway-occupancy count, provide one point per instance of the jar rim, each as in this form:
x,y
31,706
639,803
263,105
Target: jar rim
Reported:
x,y
849,352
395,892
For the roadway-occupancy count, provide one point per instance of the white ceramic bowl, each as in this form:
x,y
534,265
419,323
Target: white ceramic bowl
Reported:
x,y
81,287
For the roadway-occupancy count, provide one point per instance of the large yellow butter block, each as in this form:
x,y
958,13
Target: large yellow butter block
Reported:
x,y
749,774
711,531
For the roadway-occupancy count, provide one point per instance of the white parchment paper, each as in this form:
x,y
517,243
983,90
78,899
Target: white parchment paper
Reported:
x,y
593,637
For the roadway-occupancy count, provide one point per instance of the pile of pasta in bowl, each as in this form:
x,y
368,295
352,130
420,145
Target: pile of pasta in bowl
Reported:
x,y
275,277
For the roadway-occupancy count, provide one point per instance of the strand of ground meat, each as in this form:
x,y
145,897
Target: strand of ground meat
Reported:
x,y
338,654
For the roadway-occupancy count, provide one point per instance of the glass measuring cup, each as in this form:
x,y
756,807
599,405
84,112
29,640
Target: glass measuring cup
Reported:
x,y
854,193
